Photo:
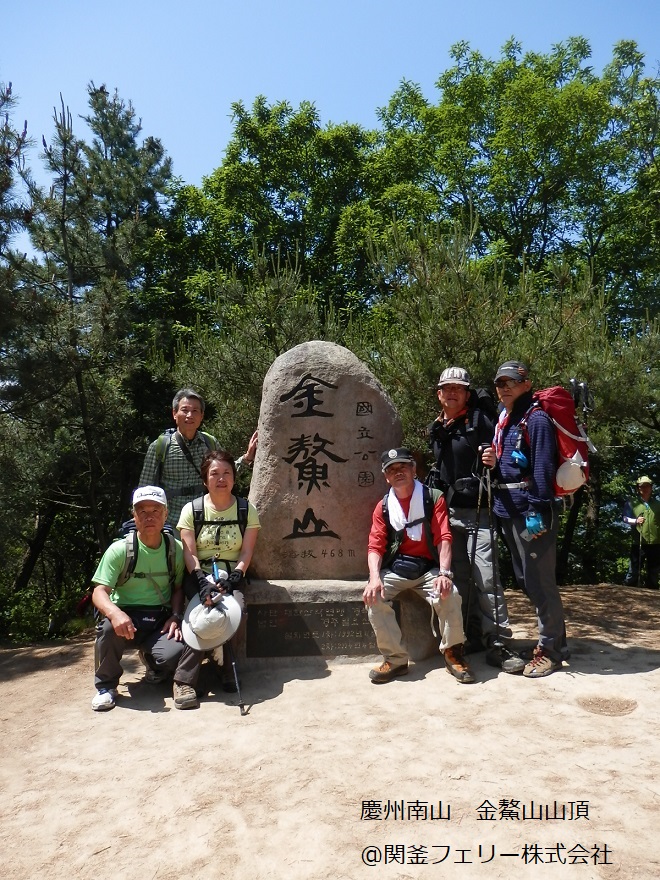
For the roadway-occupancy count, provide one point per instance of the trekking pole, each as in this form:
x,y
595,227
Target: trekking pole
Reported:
x,y
219,582
241,704
473,554
498,643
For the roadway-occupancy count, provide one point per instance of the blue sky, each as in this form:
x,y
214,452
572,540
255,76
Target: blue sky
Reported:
x,y
183,64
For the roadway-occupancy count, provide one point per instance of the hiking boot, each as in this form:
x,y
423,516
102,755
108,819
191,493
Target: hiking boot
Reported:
x,y
185,696
505,659
456,665
104,700
541,665
151,676
386,672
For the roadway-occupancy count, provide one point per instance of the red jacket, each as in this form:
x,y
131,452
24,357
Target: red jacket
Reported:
x,y
439,529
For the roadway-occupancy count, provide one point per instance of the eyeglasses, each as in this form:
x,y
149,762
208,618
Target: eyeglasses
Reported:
x,y
507,383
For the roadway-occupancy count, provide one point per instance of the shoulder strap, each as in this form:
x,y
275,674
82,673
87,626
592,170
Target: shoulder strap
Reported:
x,y
242,512
162,446
184,449
170,553
131,547
471,430
241,515
198,514
209,439
430,499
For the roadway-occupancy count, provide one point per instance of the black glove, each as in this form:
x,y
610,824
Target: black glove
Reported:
x,y
234,581
205,588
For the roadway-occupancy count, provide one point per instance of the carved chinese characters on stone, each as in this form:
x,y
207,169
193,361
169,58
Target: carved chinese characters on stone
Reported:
x,y
323,424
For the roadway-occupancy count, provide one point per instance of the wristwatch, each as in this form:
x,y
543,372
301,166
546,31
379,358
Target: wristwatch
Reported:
x,y
178,617
445,572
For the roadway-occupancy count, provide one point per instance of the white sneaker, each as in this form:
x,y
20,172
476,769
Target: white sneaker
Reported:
x,y
104,700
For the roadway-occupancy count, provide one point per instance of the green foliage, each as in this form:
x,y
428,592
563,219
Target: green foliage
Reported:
x,y
514,216
253,323
70,355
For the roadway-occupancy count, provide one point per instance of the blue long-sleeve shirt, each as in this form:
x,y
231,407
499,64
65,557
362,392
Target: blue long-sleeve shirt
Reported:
x,y
539,444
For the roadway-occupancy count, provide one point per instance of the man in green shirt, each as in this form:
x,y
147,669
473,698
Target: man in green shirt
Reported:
x,y
142,606
643,514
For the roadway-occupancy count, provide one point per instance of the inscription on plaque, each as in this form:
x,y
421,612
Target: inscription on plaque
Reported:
x,y
309,629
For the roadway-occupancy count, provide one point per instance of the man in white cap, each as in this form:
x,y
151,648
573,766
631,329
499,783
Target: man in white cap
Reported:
x,y
142,603
410,549
643,514
463,427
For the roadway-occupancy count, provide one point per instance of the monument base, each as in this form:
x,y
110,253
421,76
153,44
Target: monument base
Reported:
x,y
296,620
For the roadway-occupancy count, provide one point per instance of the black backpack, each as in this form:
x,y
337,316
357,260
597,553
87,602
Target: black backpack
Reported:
x,y
430,497
241,512
241,521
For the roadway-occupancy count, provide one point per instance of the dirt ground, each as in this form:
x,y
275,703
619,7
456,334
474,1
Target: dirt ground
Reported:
x,y
329,776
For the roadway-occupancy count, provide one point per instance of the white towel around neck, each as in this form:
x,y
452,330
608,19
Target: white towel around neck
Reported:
x,y
397,517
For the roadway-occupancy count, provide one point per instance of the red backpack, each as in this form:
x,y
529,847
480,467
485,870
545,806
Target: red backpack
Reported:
x,y
573,445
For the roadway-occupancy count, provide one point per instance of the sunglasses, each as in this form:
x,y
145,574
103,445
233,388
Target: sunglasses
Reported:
x,y
507,383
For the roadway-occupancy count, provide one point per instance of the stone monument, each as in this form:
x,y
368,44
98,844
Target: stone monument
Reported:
x,y
324,422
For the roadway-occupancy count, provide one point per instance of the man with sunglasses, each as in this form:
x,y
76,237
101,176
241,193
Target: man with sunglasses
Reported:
x,y
523,458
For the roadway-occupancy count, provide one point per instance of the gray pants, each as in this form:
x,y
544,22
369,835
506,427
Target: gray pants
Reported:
x,y
385,626
486,606
161,653
534,564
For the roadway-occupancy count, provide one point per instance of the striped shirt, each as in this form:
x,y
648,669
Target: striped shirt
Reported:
x,y
179,478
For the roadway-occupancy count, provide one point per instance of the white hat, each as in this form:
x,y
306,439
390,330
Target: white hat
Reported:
x,y
454,376
205,627
149,493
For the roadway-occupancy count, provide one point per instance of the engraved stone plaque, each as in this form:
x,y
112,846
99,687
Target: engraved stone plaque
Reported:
x,y
309,629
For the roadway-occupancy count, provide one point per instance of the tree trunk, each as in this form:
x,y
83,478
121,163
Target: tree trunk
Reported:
x,y
567,540
43,524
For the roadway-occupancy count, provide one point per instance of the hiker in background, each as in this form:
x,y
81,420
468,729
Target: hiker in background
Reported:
x,y
173,460
146,609
411,550
525,463
220,540
643,515
464,425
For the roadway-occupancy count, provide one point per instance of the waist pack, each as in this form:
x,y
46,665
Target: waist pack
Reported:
x,y
411,567
146,619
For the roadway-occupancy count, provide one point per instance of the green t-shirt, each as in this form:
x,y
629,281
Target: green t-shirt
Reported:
x,y
650,528
216,540
139,590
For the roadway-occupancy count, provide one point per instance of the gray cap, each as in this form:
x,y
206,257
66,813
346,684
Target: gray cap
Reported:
x,y
454,376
